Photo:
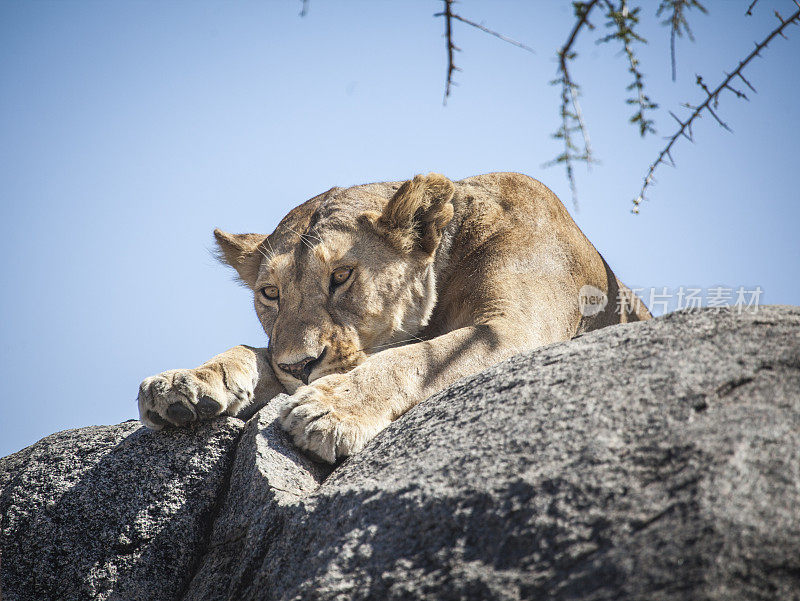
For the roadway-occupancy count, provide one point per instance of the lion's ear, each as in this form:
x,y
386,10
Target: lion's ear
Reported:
x,y
240,251
417,214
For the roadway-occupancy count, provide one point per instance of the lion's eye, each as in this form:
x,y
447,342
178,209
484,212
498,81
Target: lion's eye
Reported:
x,y
340,276
270,292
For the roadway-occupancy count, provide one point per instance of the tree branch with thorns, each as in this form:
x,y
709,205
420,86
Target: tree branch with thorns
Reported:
x,y
449,17
712,98
623,20
570,110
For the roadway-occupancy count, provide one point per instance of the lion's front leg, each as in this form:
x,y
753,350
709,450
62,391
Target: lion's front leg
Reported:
x,y
337,415
223,385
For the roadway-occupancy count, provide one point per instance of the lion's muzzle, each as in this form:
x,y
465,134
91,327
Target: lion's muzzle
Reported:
x,y
301,370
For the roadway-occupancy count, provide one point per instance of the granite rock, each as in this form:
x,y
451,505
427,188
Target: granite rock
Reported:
x,y
657,460
111,512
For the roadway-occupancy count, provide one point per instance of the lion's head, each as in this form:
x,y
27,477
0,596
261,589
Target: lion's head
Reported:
x,y
345,275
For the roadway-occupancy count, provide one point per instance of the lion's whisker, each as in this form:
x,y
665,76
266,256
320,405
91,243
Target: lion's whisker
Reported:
x,y
267,256
271,250
410,334
302,239
314,236
387,345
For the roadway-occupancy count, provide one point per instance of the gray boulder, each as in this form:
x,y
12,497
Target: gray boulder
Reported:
x,y
654,460
269,476
111,512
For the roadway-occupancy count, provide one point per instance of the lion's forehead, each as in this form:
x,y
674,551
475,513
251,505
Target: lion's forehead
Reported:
x,y
307,255
320,232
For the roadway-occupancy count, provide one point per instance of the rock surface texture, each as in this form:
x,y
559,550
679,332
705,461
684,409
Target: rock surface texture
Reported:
x,y
656,460
111,512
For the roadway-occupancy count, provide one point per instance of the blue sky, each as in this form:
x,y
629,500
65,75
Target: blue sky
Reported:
x,y
129,130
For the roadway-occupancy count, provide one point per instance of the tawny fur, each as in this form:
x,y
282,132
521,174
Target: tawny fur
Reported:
x,y
447,279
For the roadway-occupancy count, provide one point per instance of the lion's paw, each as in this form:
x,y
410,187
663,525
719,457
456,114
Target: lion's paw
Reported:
x,y
181,396
325,424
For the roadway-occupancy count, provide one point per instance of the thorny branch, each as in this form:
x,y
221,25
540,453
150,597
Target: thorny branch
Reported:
x,y
624,20
496,34
449,15
572,120
677,22
451,48
712,97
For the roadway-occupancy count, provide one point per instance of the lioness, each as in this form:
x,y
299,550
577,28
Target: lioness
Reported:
x,y
375,297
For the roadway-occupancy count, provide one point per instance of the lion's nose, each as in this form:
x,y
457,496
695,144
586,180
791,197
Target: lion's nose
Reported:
x,y
303,368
